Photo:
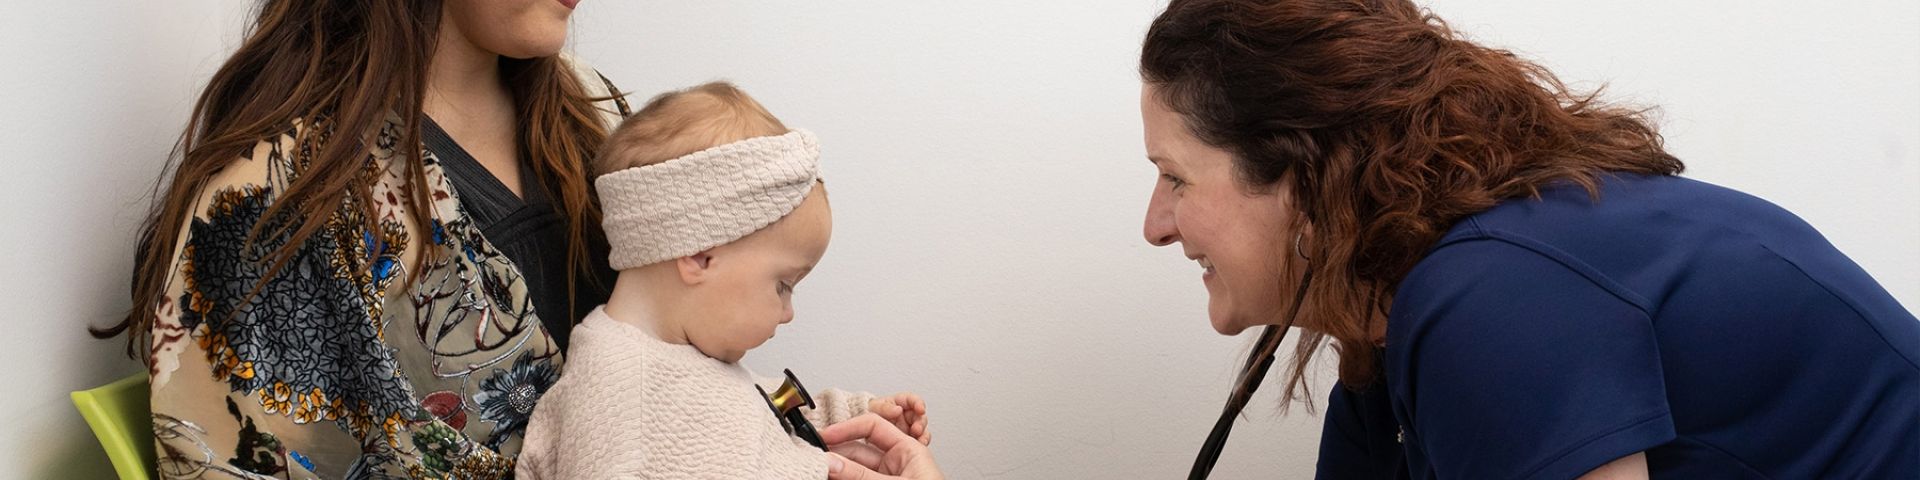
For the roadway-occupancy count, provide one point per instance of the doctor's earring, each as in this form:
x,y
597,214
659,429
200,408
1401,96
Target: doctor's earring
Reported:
x,y
1297,249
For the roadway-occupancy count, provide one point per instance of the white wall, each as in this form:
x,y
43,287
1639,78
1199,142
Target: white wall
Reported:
x,y
988,183
94,93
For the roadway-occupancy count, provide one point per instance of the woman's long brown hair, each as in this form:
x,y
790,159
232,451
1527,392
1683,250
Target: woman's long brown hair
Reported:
x,y
1389,127
345,66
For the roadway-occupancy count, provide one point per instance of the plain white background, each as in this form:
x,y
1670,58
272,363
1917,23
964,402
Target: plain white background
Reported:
x,y
988,185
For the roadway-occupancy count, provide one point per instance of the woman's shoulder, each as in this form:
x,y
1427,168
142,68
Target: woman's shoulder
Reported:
x,y
1627,223
608,98
1639,237
1624,206
264,168
273,162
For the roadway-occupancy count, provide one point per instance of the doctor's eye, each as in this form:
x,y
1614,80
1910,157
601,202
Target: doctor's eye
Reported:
x,y
1173,181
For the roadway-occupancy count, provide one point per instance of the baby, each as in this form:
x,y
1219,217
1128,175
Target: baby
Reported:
x,y
715,211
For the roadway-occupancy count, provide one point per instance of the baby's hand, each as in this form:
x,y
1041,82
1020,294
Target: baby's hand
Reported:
x,y
905,410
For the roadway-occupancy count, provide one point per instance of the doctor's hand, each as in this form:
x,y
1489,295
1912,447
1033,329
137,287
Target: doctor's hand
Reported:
x,y
869,447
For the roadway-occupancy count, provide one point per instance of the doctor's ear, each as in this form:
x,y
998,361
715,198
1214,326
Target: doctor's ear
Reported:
x,y
694,269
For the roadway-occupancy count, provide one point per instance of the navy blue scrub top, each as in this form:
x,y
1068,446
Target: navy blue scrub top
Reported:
x,y
1713,330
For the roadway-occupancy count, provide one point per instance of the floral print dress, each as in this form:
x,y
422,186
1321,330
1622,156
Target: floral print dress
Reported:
x,y
337,366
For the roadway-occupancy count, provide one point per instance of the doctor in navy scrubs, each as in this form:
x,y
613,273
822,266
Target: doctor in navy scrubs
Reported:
x,y
1515,278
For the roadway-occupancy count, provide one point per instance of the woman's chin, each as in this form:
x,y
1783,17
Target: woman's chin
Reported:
x,y
1224,323
545,43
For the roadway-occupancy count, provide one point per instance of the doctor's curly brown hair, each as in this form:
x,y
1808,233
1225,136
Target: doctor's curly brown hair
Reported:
x,y
1389,127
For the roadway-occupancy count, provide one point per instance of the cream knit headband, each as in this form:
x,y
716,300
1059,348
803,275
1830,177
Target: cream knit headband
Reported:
x,y
683,206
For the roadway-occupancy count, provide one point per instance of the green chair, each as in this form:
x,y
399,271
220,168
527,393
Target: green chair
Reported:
x,y
121,419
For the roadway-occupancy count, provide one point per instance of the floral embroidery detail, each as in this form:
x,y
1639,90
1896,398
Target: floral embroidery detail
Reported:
x,y
310,344
475,466
257,451
439,446
302,337
482,466
184,452
507,398
447,407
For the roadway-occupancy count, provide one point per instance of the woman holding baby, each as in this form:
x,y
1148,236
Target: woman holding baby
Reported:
x,y
376,241
368,255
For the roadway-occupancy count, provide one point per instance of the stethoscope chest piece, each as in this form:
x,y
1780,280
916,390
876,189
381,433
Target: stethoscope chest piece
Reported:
x,y
786,402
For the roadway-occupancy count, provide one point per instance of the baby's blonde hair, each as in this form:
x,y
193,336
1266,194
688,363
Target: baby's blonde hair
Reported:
x,y
678,123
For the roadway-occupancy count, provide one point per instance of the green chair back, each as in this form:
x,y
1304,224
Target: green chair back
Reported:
x,y
121,418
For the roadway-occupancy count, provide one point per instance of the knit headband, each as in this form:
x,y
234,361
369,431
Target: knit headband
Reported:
x,y
672,209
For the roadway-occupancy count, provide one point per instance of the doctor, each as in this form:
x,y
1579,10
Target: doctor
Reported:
x,y
1516,281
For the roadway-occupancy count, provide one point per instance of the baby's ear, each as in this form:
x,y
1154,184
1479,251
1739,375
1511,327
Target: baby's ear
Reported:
x,y
694,269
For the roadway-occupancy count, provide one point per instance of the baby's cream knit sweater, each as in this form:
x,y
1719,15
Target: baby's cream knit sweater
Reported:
x,y
631,406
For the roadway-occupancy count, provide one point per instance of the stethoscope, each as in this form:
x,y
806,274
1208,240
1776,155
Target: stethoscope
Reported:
x,y
1250,376
786,402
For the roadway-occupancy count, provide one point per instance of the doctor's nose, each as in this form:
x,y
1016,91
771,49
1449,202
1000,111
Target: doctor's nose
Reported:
x,y
1160,229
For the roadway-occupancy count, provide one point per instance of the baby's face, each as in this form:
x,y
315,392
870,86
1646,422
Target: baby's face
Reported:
x,y
752,280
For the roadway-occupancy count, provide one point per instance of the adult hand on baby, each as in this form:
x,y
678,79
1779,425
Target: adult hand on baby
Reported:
x,y
907,412
885,454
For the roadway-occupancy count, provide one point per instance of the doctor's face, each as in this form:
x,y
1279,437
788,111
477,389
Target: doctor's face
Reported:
x,y
1241,238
